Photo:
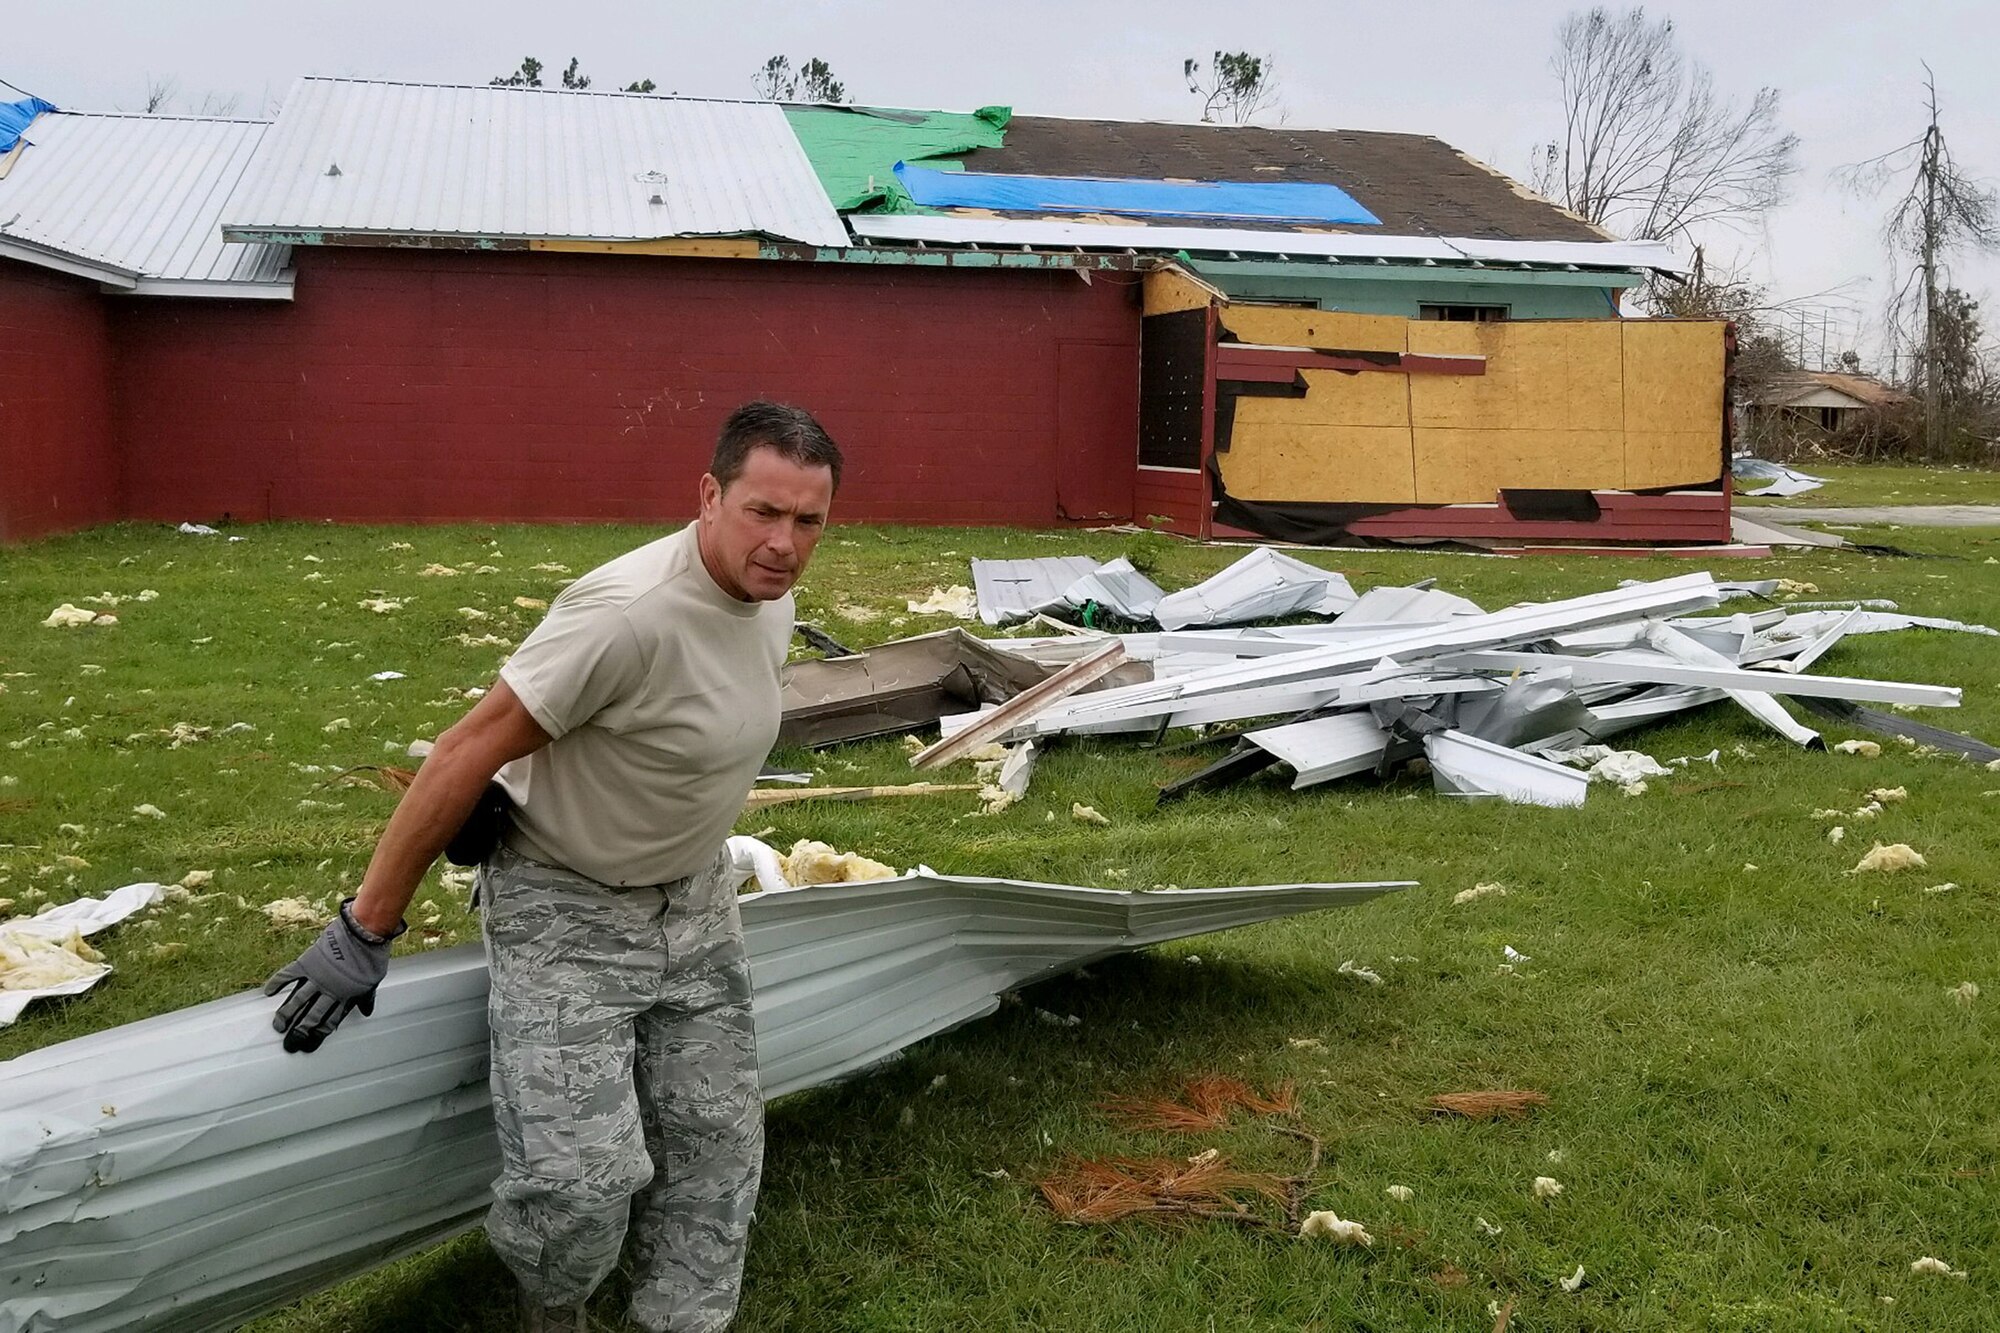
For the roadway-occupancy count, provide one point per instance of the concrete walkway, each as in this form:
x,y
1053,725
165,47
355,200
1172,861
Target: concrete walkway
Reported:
x,y
1909,516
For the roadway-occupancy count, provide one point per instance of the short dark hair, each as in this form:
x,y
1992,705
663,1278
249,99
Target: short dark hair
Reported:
x,y
791,431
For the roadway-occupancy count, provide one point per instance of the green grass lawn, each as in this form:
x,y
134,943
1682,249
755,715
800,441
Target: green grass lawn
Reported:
x,y
1883,484
1763,1104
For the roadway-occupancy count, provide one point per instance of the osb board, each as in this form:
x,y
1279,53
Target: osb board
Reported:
x,y
1673,376
1360,464
1458,466
1336,329
1673,402
1333,398
1671,458
1167,291
1543,375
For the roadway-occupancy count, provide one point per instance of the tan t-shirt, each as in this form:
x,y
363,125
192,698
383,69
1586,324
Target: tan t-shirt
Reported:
x,y
661,691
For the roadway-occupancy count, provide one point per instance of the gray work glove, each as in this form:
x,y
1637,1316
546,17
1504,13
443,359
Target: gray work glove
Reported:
x,y
338,973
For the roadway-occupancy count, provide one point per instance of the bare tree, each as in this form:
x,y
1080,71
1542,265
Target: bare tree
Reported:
x,y
813,81
160,95
1942,210
1235,86
1649,148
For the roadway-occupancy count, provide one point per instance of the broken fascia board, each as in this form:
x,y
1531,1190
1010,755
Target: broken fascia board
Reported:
x,y
1515,625
1023,707
1011,590
1325,748
1651,669
247,1177
1463,765
1119,589
1263,585
1759,704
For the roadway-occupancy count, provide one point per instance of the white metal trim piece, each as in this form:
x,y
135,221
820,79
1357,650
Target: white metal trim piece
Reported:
x,y
184,1173
1325,748
1758,703
1463,765
1652,671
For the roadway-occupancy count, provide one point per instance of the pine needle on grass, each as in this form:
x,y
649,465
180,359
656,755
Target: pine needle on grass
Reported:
x,y
1086,1192
1206,1105
1508,1105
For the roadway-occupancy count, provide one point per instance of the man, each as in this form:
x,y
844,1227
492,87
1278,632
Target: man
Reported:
x,y
628,729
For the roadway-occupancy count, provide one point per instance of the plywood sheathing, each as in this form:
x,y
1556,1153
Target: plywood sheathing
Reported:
x,y
1168,291
1563,404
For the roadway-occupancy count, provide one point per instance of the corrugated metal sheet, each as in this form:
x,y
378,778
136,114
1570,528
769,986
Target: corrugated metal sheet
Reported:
x,y
419,159
1011,590
139,193
964,229
184,1173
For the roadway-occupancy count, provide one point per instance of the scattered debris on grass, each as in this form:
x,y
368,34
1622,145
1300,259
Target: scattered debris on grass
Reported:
x,y
47,955
73,617
149,811
1889,795
1084,814
1366,976
1836,833
1929,1267
437,571
293,914
1400,1193
957,600
1946,887
1486,1228
1547,1188
1866,749
1121,1187
381,606
1505,1104
532,603
1333,1227
1893,857
811,862
1965,992
1477,892
1574,1281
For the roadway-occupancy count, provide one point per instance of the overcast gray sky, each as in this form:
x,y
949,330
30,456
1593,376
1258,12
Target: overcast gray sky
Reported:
x,y
1473,72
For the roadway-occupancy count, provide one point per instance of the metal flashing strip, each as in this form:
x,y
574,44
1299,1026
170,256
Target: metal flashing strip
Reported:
x,y
185,1174
1758,703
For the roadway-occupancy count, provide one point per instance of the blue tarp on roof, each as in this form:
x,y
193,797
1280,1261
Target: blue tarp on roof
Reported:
x,y
1258,201
17,116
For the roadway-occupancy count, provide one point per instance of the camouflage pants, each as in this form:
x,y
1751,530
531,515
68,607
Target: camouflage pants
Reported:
x,y
624,1088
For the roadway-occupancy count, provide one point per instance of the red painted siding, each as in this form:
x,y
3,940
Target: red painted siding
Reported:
x,y
420,385
58,464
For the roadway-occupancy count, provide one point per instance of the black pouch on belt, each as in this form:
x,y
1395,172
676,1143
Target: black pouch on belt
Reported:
x,y
483,828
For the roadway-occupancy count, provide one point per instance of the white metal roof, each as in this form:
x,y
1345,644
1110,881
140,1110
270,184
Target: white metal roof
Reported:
x,y
134,201
970,229
354,156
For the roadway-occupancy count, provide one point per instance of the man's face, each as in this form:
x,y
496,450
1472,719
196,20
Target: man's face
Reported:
x,y
758,535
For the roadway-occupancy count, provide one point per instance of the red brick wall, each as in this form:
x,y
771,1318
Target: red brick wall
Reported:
x,y
58,467
426,385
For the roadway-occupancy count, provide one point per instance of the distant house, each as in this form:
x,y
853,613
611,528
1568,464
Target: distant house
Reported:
x,y
1816,403
529,304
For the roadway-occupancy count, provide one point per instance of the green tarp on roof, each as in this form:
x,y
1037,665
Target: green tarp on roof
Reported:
x,y
855,149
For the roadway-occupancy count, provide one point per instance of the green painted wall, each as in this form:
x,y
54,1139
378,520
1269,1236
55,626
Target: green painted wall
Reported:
x,y
1395,289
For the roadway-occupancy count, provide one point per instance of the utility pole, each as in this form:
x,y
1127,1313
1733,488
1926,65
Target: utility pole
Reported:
x,y
1927,175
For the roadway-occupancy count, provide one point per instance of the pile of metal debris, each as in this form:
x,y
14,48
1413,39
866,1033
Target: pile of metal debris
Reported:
x,y
1490,701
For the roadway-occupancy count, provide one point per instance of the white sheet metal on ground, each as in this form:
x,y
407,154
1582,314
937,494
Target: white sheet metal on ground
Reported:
x,y
184,1173
1612,717
1463,765
1263,585
1406,606
1515,625
1650,668
1118,588
1011,590
1325,748
1784,481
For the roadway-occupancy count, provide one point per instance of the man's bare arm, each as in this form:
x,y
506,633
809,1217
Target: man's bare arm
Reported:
x,y
498,730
